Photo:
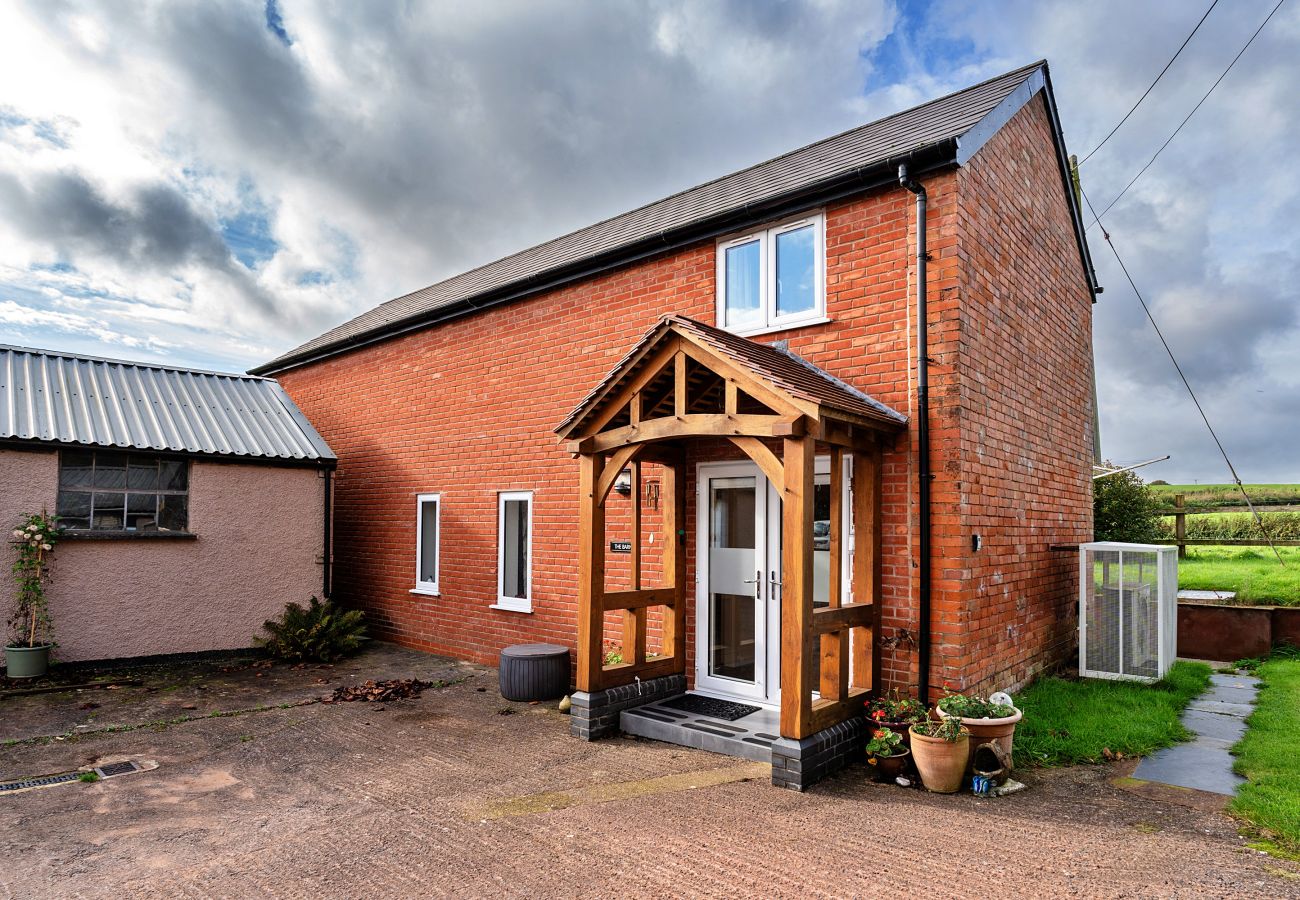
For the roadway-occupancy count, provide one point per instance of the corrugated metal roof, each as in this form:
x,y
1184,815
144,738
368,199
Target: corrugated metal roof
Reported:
x,y
894,137
61,398
783,370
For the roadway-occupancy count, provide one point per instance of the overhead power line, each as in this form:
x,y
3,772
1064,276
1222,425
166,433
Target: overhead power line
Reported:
x,y
1187,384
1151,87
1201,102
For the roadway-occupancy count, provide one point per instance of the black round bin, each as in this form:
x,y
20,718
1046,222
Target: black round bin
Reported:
x,y
534,672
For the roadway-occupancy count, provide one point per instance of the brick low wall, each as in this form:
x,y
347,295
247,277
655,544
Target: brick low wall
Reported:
x,y
1225,633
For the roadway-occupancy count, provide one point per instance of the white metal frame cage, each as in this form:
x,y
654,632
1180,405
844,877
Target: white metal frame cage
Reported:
x,y
1128,610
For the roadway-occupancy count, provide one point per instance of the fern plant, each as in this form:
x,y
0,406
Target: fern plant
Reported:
x,y
320,632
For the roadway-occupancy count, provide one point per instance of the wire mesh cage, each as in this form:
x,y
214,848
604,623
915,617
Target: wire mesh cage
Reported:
x,y
1128,610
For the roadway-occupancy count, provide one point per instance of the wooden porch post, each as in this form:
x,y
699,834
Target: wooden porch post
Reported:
x,y
673,498
866,564
797,586
591,573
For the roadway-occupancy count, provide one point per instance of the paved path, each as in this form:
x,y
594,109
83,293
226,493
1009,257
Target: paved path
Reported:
x,y
1218,719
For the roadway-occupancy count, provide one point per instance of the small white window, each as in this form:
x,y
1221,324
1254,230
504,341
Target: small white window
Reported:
x,y
773,279
428,532
515,551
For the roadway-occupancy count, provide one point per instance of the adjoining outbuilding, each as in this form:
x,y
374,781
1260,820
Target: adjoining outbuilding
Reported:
x,y
197,503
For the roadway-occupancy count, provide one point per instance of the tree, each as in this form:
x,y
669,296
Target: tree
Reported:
x,y
1124,509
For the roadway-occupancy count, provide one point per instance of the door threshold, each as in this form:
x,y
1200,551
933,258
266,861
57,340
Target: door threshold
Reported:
x,y
748,737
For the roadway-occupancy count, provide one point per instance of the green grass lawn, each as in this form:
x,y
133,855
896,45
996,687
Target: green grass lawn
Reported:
x,y
1068,722
1253,572
1267,756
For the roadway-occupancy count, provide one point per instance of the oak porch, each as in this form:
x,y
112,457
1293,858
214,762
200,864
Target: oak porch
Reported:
x,y
687,381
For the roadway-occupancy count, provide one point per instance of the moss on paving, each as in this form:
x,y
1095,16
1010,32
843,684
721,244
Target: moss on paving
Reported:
x,y
1081,721
1267,757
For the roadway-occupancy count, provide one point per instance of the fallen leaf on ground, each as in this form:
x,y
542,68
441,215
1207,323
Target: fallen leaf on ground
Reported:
x,y
378,691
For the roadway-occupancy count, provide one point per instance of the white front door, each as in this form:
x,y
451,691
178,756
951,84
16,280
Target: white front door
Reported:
x,y
738,588
738,576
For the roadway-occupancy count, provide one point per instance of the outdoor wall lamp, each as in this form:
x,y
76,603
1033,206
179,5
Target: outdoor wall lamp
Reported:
x,y
623,483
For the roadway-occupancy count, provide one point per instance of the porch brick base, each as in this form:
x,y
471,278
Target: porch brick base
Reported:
x,y
595,715
799,764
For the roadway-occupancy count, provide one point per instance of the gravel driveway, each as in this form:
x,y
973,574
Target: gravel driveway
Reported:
x,y
458,793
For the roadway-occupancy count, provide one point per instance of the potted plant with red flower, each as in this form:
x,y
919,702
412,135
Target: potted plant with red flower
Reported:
x,y
896,713
886,751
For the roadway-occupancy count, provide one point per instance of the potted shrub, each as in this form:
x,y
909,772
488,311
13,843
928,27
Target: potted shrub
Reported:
x,y
27,653
886,751
896,713
987,719
940,749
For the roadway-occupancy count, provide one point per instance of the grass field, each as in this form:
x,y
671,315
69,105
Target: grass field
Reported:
x,y
1068,722
1267,757
1227,494
1253,572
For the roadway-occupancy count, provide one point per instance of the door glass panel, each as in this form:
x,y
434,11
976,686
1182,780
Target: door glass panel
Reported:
x,y
822,542
733,561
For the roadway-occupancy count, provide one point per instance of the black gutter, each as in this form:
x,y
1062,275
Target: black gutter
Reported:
x,y
922,430
881,174
327,528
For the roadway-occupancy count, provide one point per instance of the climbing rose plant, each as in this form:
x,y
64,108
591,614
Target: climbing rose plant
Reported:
x,y
35,537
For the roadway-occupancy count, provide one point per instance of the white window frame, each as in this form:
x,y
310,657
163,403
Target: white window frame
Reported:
x,y
767,276
421,587
514,604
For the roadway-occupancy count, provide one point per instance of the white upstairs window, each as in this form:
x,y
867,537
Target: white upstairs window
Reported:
x,y
428,532
774,278
515,551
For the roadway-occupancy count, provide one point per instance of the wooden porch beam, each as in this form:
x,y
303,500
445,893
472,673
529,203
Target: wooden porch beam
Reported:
x,y
669,427
618,461
763,457
662,596
836,619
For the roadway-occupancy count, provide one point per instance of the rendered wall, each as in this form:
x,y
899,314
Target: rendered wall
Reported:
x,y
259,535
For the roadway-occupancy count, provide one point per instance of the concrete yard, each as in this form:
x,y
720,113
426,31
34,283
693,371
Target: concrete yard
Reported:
x,y
459,793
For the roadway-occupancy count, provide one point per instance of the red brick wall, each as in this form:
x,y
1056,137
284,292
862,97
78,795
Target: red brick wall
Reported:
x,y
1022,416
466,409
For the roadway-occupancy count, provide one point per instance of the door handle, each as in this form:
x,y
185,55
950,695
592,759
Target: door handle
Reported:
x,y
772,579
757,582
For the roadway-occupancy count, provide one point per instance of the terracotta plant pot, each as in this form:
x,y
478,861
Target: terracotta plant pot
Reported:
x,y
942,764
984,730
890,767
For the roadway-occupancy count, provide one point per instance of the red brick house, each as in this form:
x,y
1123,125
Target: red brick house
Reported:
x,y
739,497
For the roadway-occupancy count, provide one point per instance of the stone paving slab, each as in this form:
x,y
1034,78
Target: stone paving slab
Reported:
x,y
1218,719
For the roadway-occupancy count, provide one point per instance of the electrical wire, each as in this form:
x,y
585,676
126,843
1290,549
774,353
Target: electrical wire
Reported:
x,y
1187,384
1153,84
1133,181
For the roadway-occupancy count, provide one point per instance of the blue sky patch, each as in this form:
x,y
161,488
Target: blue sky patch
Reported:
x,y
248,235
275,24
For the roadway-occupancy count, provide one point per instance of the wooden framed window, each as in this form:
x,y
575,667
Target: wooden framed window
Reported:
x,y
428,535
515,551
774,278
115,491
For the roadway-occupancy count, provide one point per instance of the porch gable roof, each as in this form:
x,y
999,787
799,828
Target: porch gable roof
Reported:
x,y
806,386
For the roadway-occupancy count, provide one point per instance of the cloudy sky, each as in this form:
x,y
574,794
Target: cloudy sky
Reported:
x,y
211,183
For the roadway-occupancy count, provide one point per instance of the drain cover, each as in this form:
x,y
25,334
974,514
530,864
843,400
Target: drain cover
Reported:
x,y
108,770
39,782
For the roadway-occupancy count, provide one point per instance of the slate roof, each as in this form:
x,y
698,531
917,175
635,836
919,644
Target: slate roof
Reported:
x,y
60,398
780,368
957,123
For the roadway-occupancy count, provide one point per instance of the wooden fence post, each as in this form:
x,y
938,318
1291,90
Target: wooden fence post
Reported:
x,y
1180,525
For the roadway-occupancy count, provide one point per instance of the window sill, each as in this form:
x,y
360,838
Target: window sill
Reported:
x,y
129,536
513,609
427,592
784,326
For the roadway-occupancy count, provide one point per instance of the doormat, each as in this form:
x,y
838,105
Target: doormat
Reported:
x,y
707,706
